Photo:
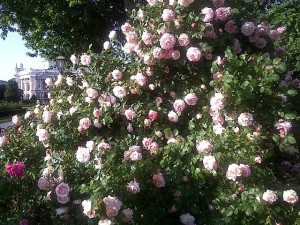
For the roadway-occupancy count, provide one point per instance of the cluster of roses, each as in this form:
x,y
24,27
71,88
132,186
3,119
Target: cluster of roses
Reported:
x,y
289,196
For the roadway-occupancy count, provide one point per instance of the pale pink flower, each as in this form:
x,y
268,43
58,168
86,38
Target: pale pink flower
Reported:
x,y
147,142
3,141
157,53
112,203
158,180
103,145
183,39
173,117
140,14
175,54
179,105
130,114
132,37
269,196
140,79
152,2
253,37
193,54
290,196
97,112
260,43
233,172
106,222
149,60
47,116
97,123
48,82
147,38
119,91
117,74
210,163
90,145
274,34
218,76
85,123
106,45
43,134
281,30
59,80
218,129
87,208
283,127
204,146
210,34
62,190
70,81
168,15
43,183
63,200
245,119
248,28
152,115
126,27
187,219
133,153
230,27
167,41
257,159
218,3
28,114
153,148
74,59
263,28
223,13
129,48
245,170
185,3
16,120
217,102
147,122
85,59
208,14
191,99
236,46
92,93
128,215
62,210
83,154
133,187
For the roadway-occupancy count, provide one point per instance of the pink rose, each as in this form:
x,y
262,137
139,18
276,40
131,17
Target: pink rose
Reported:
x,y
147,122
119,91
187,219
152,115
210,163
283,127
290,196
248,28
263,28
218,129
112,202
15,169
117,74
183,39
62,190
157,53
223,13
147,142
167,41
43,134
185,3
152,2
208,15
204,146
230,27
63,200
179,105
245,170
16,120
131,37
130,114
193,54
168,15
92,93
173,117
245,119
260,43
147,38
47,116
128,215
43,183
97,112
83,154
281,30
126,28
269,196
140,79
158,180
274,34
3,141
191,99
85,123
175,54
133,187
233,172
236,46
85,59
153,147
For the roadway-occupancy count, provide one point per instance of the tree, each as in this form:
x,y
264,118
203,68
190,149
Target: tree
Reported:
x,y
51,28
12,91
2,90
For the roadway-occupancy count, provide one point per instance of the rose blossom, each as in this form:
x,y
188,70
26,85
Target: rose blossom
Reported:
x,y
158,180
48,82
63,200
112,35
83,154
223,13
147,142
133,153
130,114
152,115
233,172
167,41
193,54
85,123
92,93
85,59
16,120
128,215
185,3
3,141
168,15
210,163
208,14
90,145
112,203
15,169
204,146
62,190
187,219
290,196
47,115
236,46
157,53
191,99
230,27
274,34
133,187
269,196
183,39
283,127
126,27
117,74
87,208
248,28
179,105
217,101
69,81
147,38
119,91
245,170
173,117
140,79
152,2
245,119
260,43
43,134
106,222
153,148
43,183
175,54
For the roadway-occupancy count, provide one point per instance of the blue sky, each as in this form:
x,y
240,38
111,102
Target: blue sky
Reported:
x,y
12,51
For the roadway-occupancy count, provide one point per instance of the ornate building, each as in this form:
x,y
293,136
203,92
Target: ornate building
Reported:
x,y
32,81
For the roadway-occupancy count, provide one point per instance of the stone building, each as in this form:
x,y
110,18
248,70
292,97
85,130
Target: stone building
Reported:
x,y
32,81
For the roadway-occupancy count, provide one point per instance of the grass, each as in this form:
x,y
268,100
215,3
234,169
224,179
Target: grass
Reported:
x,y
5,119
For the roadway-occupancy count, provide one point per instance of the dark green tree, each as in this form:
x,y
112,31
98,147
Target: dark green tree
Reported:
x,y
2,90
54,27
12,92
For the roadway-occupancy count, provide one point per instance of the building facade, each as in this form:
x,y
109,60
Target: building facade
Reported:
x,y
32,81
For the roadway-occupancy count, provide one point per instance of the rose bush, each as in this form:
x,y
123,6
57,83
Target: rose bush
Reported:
x,y
187,123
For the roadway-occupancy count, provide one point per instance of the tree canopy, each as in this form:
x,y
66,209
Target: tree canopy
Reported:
x,y
58,27
12,91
